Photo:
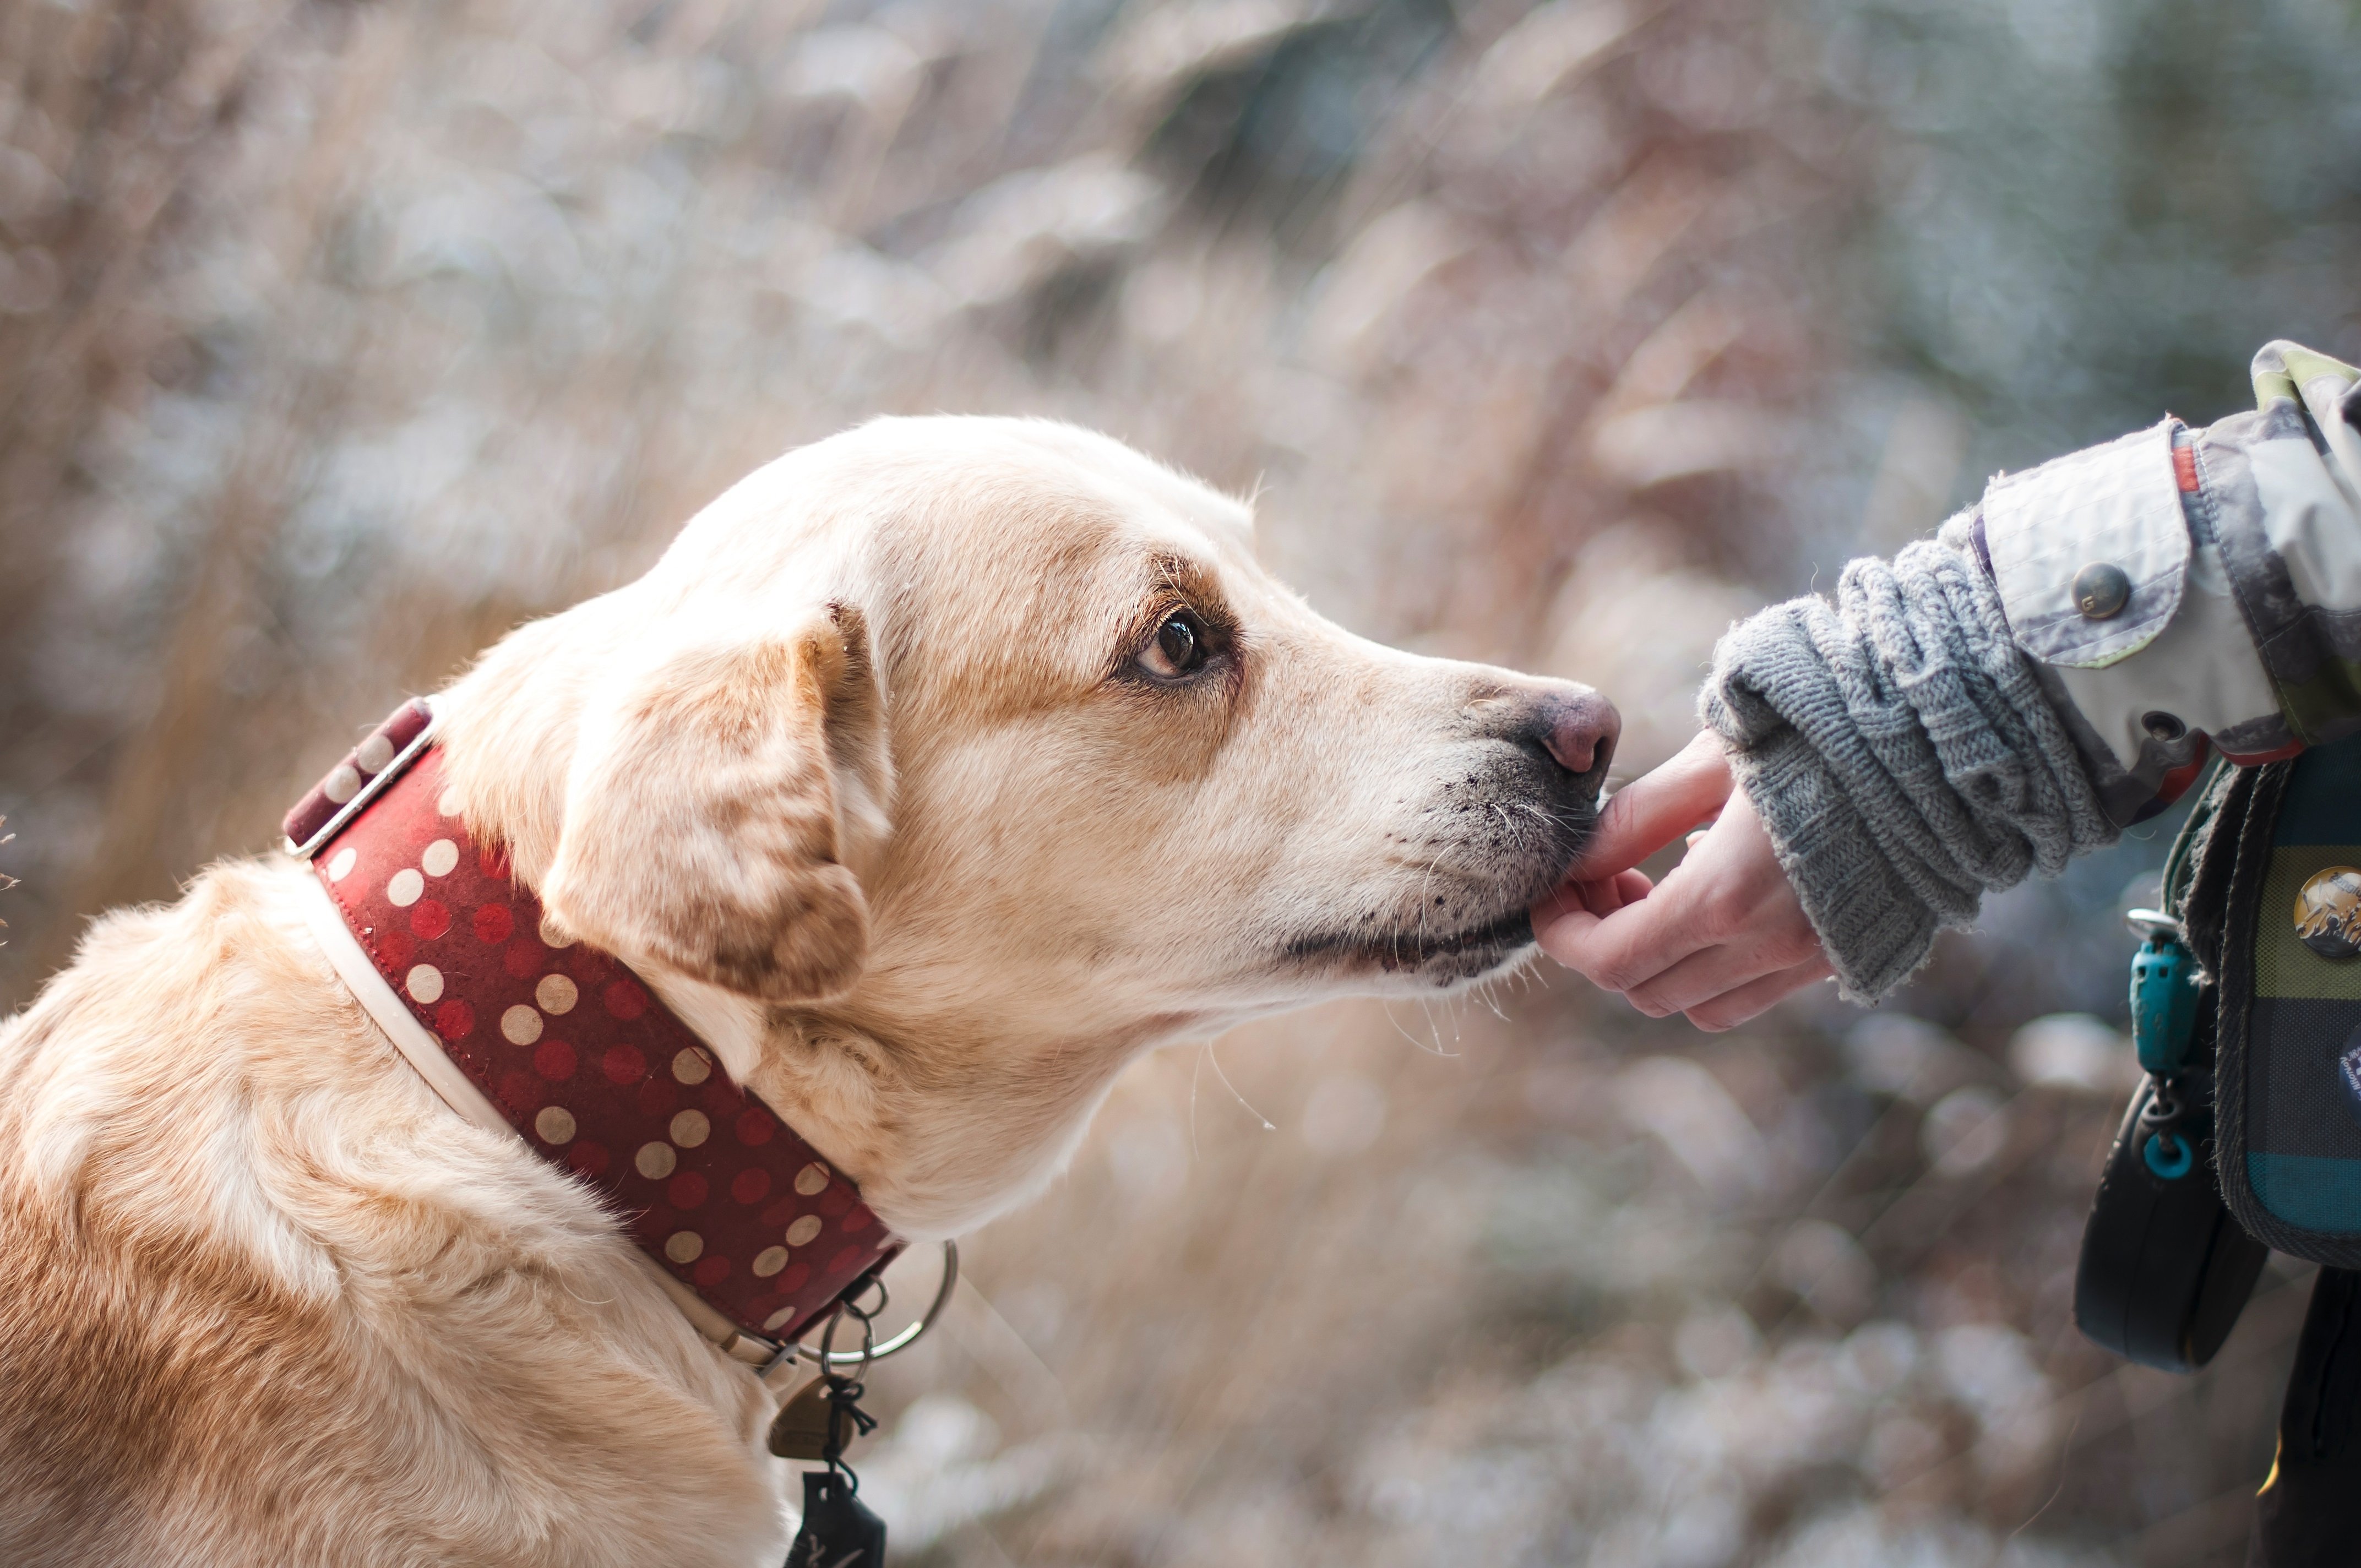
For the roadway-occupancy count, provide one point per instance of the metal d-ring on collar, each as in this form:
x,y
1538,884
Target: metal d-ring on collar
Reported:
x,y
827,1357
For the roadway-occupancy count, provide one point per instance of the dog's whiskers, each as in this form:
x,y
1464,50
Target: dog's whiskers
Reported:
x,y
1267,1124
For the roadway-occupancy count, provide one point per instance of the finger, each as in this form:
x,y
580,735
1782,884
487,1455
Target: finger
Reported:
x,y
1602,897
1575,898
1657,808
1612,893
1700,977
1565,932
1715,970
1760,939
1756,997
1634,945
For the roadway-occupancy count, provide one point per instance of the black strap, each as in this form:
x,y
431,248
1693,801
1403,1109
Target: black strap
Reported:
x,y
2309,1514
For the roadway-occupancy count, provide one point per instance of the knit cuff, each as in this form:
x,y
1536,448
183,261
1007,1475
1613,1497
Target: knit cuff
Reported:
x,y
1877,931
1902,754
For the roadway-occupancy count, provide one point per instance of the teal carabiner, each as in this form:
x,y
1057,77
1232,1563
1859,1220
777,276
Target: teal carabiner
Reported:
x,y
2164,996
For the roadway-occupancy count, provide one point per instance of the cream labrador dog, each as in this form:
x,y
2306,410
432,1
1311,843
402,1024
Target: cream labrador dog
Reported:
x,y
936,771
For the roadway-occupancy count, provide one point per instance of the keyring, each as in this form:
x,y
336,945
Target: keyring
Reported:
x,y
830,1357
826,1357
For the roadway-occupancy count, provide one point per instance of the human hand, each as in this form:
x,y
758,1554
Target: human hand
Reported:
x,y
1721,939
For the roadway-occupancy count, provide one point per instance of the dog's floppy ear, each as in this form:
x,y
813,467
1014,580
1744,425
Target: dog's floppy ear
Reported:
x,y
702,820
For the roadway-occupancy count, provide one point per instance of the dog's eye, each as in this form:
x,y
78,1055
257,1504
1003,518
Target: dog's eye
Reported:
x,y
1179,648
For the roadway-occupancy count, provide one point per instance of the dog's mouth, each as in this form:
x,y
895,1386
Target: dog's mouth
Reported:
x,y
1442,957
1455,907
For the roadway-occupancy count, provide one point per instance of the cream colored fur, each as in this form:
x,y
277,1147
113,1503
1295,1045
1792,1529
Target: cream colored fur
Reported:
x,y
867,778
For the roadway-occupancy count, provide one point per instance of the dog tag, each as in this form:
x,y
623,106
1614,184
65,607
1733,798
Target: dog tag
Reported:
x,y
837,1531
801,1429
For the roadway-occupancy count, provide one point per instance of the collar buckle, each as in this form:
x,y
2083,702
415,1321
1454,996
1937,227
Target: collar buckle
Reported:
x,y
352,783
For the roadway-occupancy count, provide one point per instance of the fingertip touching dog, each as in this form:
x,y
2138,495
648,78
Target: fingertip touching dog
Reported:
x,y
936,771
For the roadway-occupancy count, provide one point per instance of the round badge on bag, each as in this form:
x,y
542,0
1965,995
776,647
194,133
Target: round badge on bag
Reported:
x,y
2328,913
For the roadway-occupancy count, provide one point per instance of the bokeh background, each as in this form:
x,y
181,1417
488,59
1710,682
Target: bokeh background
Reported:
x,y
336,338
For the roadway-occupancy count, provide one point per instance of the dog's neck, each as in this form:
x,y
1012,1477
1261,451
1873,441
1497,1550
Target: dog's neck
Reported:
x,y
936,1146
936,1152
934,1157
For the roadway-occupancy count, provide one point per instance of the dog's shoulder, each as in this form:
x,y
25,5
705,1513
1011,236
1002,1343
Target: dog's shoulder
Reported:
x,y
250,1258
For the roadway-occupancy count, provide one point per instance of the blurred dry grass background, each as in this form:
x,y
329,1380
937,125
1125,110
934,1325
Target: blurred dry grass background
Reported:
x,y
338,337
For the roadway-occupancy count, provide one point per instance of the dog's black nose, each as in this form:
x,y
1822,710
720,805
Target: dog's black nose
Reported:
x,y
1579,729
1573,725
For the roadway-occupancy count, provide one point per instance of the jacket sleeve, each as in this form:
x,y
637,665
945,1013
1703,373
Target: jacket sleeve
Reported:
x,y
2180,589
2057,663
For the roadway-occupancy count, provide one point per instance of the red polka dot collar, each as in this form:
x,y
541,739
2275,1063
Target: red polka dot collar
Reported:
x,y
751,1230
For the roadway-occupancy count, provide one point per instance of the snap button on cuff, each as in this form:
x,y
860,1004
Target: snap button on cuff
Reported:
x,y
2100,590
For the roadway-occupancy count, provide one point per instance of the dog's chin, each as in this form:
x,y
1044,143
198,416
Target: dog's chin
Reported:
x,y
1420,959
1373,955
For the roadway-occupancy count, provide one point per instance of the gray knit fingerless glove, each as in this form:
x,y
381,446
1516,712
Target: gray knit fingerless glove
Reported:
x,y
1902,754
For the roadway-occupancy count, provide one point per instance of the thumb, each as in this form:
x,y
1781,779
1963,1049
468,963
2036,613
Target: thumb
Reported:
x,y
1656,808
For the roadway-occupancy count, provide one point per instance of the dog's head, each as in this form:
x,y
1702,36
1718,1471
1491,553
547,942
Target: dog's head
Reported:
x,y
957,760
